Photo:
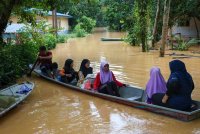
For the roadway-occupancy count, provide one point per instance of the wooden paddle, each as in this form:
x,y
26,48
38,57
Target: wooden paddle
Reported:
x,y
29,74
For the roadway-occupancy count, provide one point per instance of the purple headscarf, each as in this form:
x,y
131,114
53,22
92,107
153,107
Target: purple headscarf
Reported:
x,y
105,76
156,83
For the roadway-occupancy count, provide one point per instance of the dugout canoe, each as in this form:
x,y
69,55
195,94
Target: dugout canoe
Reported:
x,y
17,93
134,97
112,39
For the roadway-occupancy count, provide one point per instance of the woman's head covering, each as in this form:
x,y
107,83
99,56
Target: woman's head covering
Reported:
x,y
177,66
178,71
67,66
105,76
156,83
85,71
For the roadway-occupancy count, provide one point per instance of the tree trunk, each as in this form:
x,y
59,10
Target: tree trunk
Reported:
x,y
165,27
196,27
6,9
143,23
156,23
54,21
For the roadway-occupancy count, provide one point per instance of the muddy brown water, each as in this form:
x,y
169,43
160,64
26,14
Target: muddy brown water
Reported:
x,y
54,109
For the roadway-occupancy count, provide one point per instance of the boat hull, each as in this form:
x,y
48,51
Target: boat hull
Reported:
x,y
139,102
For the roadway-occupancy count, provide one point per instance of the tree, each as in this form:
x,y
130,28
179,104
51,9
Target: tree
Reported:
x,y
165,27
20,7
156,22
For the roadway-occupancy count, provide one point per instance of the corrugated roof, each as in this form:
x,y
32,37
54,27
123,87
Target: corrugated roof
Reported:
x,y
13,28
60,15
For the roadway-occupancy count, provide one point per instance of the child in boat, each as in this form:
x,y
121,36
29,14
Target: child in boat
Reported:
x,y
179,88
56,71
156,84
105,81
68,74
84,70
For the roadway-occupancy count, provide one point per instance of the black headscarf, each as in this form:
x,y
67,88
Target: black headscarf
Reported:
x,y
85,70
68,69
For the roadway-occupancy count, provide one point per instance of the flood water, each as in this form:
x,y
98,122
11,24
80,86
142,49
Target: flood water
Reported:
x,y
54,109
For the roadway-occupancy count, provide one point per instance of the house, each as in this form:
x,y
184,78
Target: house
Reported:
x,y
14,26
187,29
62,20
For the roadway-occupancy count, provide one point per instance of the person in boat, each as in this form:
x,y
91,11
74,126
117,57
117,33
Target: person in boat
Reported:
x,y
45,61
105,81
68,74
179,88
56,71
156,84
84,70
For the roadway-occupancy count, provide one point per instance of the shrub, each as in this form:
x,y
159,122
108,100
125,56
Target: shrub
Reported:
x,y
87,24
79,31
15,60
61,39
182,45
50,41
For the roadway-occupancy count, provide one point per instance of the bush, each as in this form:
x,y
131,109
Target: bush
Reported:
x,y
79,31
182,45
87,24
50,41
61,39
15,60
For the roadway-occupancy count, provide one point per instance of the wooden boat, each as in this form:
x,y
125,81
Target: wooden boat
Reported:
x,y
111,39
134,97
17,93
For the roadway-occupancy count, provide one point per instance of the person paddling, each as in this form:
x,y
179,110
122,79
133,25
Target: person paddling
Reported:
x,y
44,60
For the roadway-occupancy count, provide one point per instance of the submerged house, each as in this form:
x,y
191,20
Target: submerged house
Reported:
x,y
14,24
188,29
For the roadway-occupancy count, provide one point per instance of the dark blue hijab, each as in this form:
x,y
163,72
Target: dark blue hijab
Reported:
x,y
178,70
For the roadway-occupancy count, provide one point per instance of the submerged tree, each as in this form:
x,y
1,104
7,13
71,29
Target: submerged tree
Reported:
x,y
165,27
156,23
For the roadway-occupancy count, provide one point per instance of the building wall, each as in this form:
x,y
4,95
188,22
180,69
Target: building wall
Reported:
x,y
63,21
187,31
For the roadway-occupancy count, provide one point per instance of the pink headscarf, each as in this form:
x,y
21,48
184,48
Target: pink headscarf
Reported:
x,y
105,76
156,83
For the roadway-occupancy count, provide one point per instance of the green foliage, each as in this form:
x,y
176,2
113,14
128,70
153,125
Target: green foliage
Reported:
x,y
61,38
182,45
118,14
87,24
92,9
139,31
79,31
14,61
50,41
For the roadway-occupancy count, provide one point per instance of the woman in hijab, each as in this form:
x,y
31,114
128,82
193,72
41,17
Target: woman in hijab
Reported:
x,y
84,70
179,88
68,74
105,81
156,84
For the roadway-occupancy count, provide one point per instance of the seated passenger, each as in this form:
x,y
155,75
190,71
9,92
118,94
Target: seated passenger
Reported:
x,y
156,84
179,88
84,70
105,81
68,74
45,61
55,71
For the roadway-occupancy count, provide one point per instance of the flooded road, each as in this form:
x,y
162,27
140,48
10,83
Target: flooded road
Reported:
x,y
54,109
